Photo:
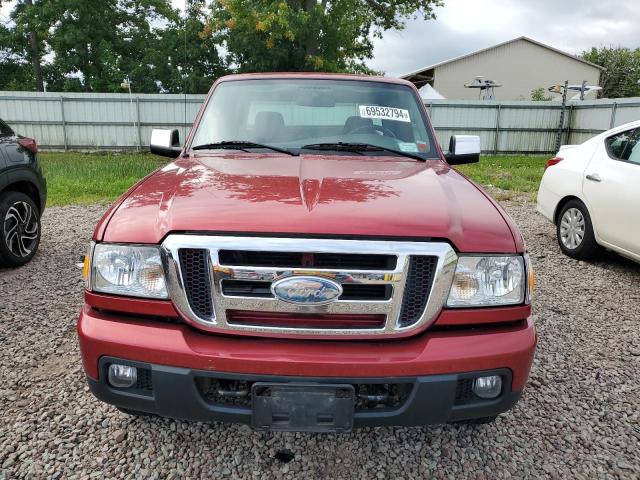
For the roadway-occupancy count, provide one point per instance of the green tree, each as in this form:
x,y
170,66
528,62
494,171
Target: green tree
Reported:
x,y
101,41
186,59
539,95
622,70
14,69
89,45
308,35
22,47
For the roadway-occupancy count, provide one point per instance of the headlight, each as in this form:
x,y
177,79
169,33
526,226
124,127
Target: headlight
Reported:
x,y
132,270
488,281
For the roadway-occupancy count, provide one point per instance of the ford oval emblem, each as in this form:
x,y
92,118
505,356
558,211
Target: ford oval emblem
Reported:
x,y
306,290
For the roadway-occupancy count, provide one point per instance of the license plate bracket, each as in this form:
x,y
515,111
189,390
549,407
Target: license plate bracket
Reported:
x,y
296,407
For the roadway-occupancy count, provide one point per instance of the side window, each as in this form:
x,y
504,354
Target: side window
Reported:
x,y
625,146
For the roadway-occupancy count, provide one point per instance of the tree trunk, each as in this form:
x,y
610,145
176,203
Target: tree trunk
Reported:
x,y
311,44
35,54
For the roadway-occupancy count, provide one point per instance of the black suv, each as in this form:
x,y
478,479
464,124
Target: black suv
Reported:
x,y
23,194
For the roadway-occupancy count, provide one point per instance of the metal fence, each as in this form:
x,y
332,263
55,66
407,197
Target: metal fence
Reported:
x,y
529,127
102,121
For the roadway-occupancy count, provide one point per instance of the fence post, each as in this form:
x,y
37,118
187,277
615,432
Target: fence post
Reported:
x,y
138,121
496,140
569,123
614,109
64,124
561,123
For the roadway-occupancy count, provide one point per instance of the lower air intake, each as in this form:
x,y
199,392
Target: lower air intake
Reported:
x,y
422,270
194,263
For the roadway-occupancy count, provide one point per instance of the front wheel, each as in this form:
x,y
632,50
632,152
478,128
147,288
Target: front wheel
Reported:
x,y
19,229
575,231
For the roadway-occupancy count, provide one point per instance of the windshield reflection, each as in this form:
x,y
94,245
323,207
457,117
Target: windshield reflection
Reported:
x,y
289,113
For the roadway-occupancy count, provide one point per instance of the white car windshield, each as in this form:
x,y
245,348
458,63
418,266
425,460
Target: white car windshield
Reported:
x,y
334,116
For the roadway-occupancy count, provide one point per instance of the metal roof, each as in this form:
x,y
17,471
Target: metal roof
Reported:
x,y
535,42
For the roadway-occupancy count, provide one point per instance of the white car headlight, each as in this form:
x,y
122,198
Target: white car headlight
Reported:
x,y
133,270
482,281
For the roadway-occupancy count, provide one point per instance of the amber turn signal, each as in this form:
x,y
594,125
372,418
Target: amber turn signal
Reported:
x,y
532,280
85,267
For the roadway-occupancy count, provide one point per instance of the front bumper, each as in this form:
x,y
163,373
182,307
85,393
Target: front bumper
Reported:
x,y
175,392
433,363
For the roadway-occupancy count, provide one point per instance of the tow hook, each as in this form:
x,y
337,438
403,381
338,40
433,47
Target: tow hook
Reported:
x,y
234,390
377,398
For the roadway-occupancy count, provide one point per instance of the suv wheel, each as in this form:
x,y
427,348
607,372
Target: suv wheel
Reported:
x,y
575,231
19,229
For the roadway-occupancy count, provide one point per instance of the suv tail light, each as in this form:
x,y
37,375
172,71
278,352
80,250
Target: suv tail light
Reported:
x,y
553,161
28,143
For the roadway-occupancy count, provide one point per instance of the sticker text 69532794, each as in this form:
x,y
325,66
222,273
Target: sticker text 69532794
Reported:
x,y
385,113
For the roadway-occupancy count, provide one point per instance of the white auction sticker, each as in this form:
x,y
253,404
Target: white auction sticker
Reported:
x,y
385,113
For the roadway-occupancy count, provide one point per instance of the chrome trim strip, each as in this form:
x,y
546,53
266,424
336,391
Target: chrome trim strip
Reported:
x,y
396,277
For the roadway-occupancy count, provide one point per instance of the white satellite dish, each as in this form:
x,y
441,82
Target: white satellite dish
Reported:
x,y
485,87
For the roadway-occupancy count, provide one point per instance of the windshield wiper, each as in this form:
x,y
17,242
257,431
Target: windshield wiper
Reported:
x,y
359,148
239,145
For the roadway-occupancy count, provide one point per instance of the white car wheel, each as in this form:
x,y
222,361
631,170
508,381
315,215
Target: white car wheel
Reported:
x,y
572,228
575,232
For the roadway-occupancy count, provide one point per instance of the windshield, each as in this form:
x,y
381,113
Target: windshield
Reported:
x,y
295,113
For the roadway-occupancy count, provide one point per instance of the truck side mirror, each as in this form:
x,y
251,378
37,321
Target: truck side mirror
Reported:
x,y
165,142
463,149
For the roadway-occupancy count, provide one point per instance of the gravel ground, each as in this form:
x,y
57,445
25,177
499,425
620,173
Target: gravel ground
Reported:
x,y
578,418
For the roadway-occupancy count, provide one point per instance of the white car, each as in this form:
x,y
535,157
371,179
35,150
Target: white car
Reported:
x,y
591,192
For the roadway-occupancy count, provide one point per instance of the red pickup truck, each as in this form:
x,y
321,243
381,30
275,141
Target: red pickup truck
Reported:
x,y
308,261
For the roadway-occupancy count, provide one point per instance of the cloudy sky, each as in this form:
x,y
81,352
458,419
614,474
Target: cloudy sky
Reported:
x,y
463,26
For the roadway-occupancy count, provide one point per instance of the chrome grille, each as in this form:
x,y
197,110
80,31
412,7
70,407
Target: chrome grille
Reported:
x,y
351,261
405,283
350,291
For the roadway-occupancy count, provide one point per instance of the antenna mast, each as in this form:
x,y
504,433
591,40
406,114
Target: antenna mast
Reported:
x,y
184,70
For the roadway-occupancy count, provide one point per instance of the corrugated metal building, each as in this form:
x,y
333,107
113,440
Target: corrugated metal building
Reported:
x,y
520,65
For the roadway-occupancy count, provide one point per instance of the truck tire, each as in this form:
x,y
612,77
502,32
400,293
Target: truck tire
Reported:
x,y
574,231
19,229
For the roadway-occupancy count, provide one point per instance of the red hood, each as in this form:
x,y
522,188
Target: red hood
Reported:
x,y
311,195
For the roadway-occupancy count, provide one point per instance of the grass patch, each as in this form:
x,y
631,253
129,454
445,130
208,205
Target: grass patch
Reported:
x,y
86,178
515,173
